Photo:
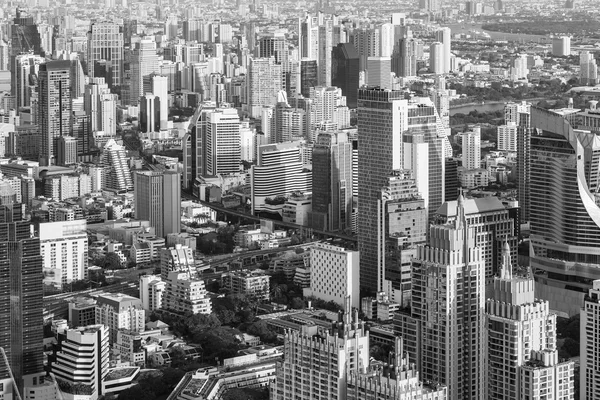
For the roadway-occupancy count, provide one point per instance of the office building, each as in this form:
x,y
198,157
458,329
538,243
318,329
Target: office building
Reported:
x,y
21,294
445,328
274,45
149,113
471,148
366,43
117,176
54,107
564,239
152,289
158,200
379,72
281,170
120,311
185,294
66,151
219,142
332,182
382,118
105,43
144,62
325,45
24,38
345,71
444,37
513,112
561,46
81,358
521,341
327,105
264,82
589,375
82,311
588,69
176,259
406,52
25,75
64,248
507,137
158,85
334,274
436,58
309,77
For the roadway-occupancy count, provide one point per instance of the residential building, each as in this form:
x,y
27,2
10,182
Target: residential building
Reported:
x,y
120,311
64,248
80,360
105,49
334,274
564,239
521,346
184,293
264,81
250,283
588,69
158,200
379,72
445,330
152,289
589,375
82,312
561,46
436,58
444,37
507,137
471,148
117,176
219,142
176,259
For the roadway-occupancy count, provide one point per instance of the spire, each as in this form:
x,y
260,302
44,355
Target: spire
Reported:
x,y
460,210
506,267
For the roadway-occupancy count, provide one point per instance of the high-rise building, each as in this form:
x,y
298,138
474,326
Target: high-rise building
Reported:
x,y
220,142
158,200
264,82
21,299
176,259
25,39
25,74
436,58
64,248
144,62
325,46
564,211
332,182
521,341
81,357
561,46
120,311
105,43
185,293
445,328
382,119
66,150
54,107
334,274
513,111
507,137
444,37
589,376
379,72
117,176
327,105
345,71
366,43
471,148
152,289
309,75
588,69
148,113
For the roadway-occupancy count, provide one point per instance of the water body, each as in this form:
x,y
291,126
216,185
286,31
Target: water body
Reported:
x,y
465,109
515,37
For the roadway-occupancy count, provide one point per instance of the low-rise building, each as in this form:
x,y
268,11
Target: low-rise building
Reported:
x,y
185,293
251,283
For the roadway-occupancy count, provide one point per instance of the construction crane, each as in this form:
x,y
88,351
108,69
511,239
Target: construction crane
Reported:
x,y
12,377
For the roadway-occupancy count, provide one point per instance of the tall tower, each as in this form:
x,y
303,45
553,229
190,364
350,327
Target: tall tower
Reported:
x,y
332,182
20,299
221,142
590,343
444,37
144,63
54,107
158,200
382,119
264,82
345,71
105,42
446,325
436,58
521,340
117,176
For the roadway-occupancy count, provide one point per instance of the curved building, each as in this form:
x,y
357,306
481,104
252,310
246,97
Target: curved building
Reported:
x,y
564,210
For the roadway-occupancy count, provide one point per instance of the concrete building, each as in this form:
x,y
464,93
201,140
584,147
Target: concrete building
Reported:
x,y
144,62
561,46
82,312
158,200
105,49
379,72
445,328
444,36
334,274
120,311
507,137
436,58
81,358
588,69
514,350
186,294
152,289
64,248
177,258
117,175
264,81
471,148
251,283
589,378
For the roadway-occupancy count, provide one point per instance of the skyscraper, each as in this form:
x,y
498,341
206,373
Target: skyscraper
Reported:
x,y
144,62
445,330
54,107
382,119
444,37
117,176
20,299
264,82
366,43
218,142
25,73
471,148
105,42
148,114
564,212
588,69
309,76
25,39
158,200
379,72
345,71
332,182
521,340
436,58
589,376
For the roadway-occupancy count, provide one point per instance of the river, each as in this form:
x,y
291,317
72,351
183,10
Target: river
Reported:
x,y
467,108
466,27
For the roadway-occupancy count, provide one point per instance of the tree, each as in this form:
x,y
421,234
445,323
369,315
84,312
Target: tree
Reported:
x,y
297,303
112,261
246,394
137,392
262,330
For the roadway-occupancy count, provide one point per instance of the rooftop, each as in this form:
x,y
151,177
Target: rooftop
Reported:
x,y
472,206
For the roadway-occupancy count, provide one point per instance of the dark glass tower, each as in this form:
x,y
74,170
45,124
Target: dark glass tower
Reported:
x,y
308,76
21,333
345,71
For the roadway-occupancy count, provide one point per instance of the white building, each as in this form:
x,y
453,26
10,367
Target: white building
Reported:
x,y
589,378
561,46
471,148
334,274
444,36
120,311
507,137
186,294
82,359
152,290
521,341
64,248
177,258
